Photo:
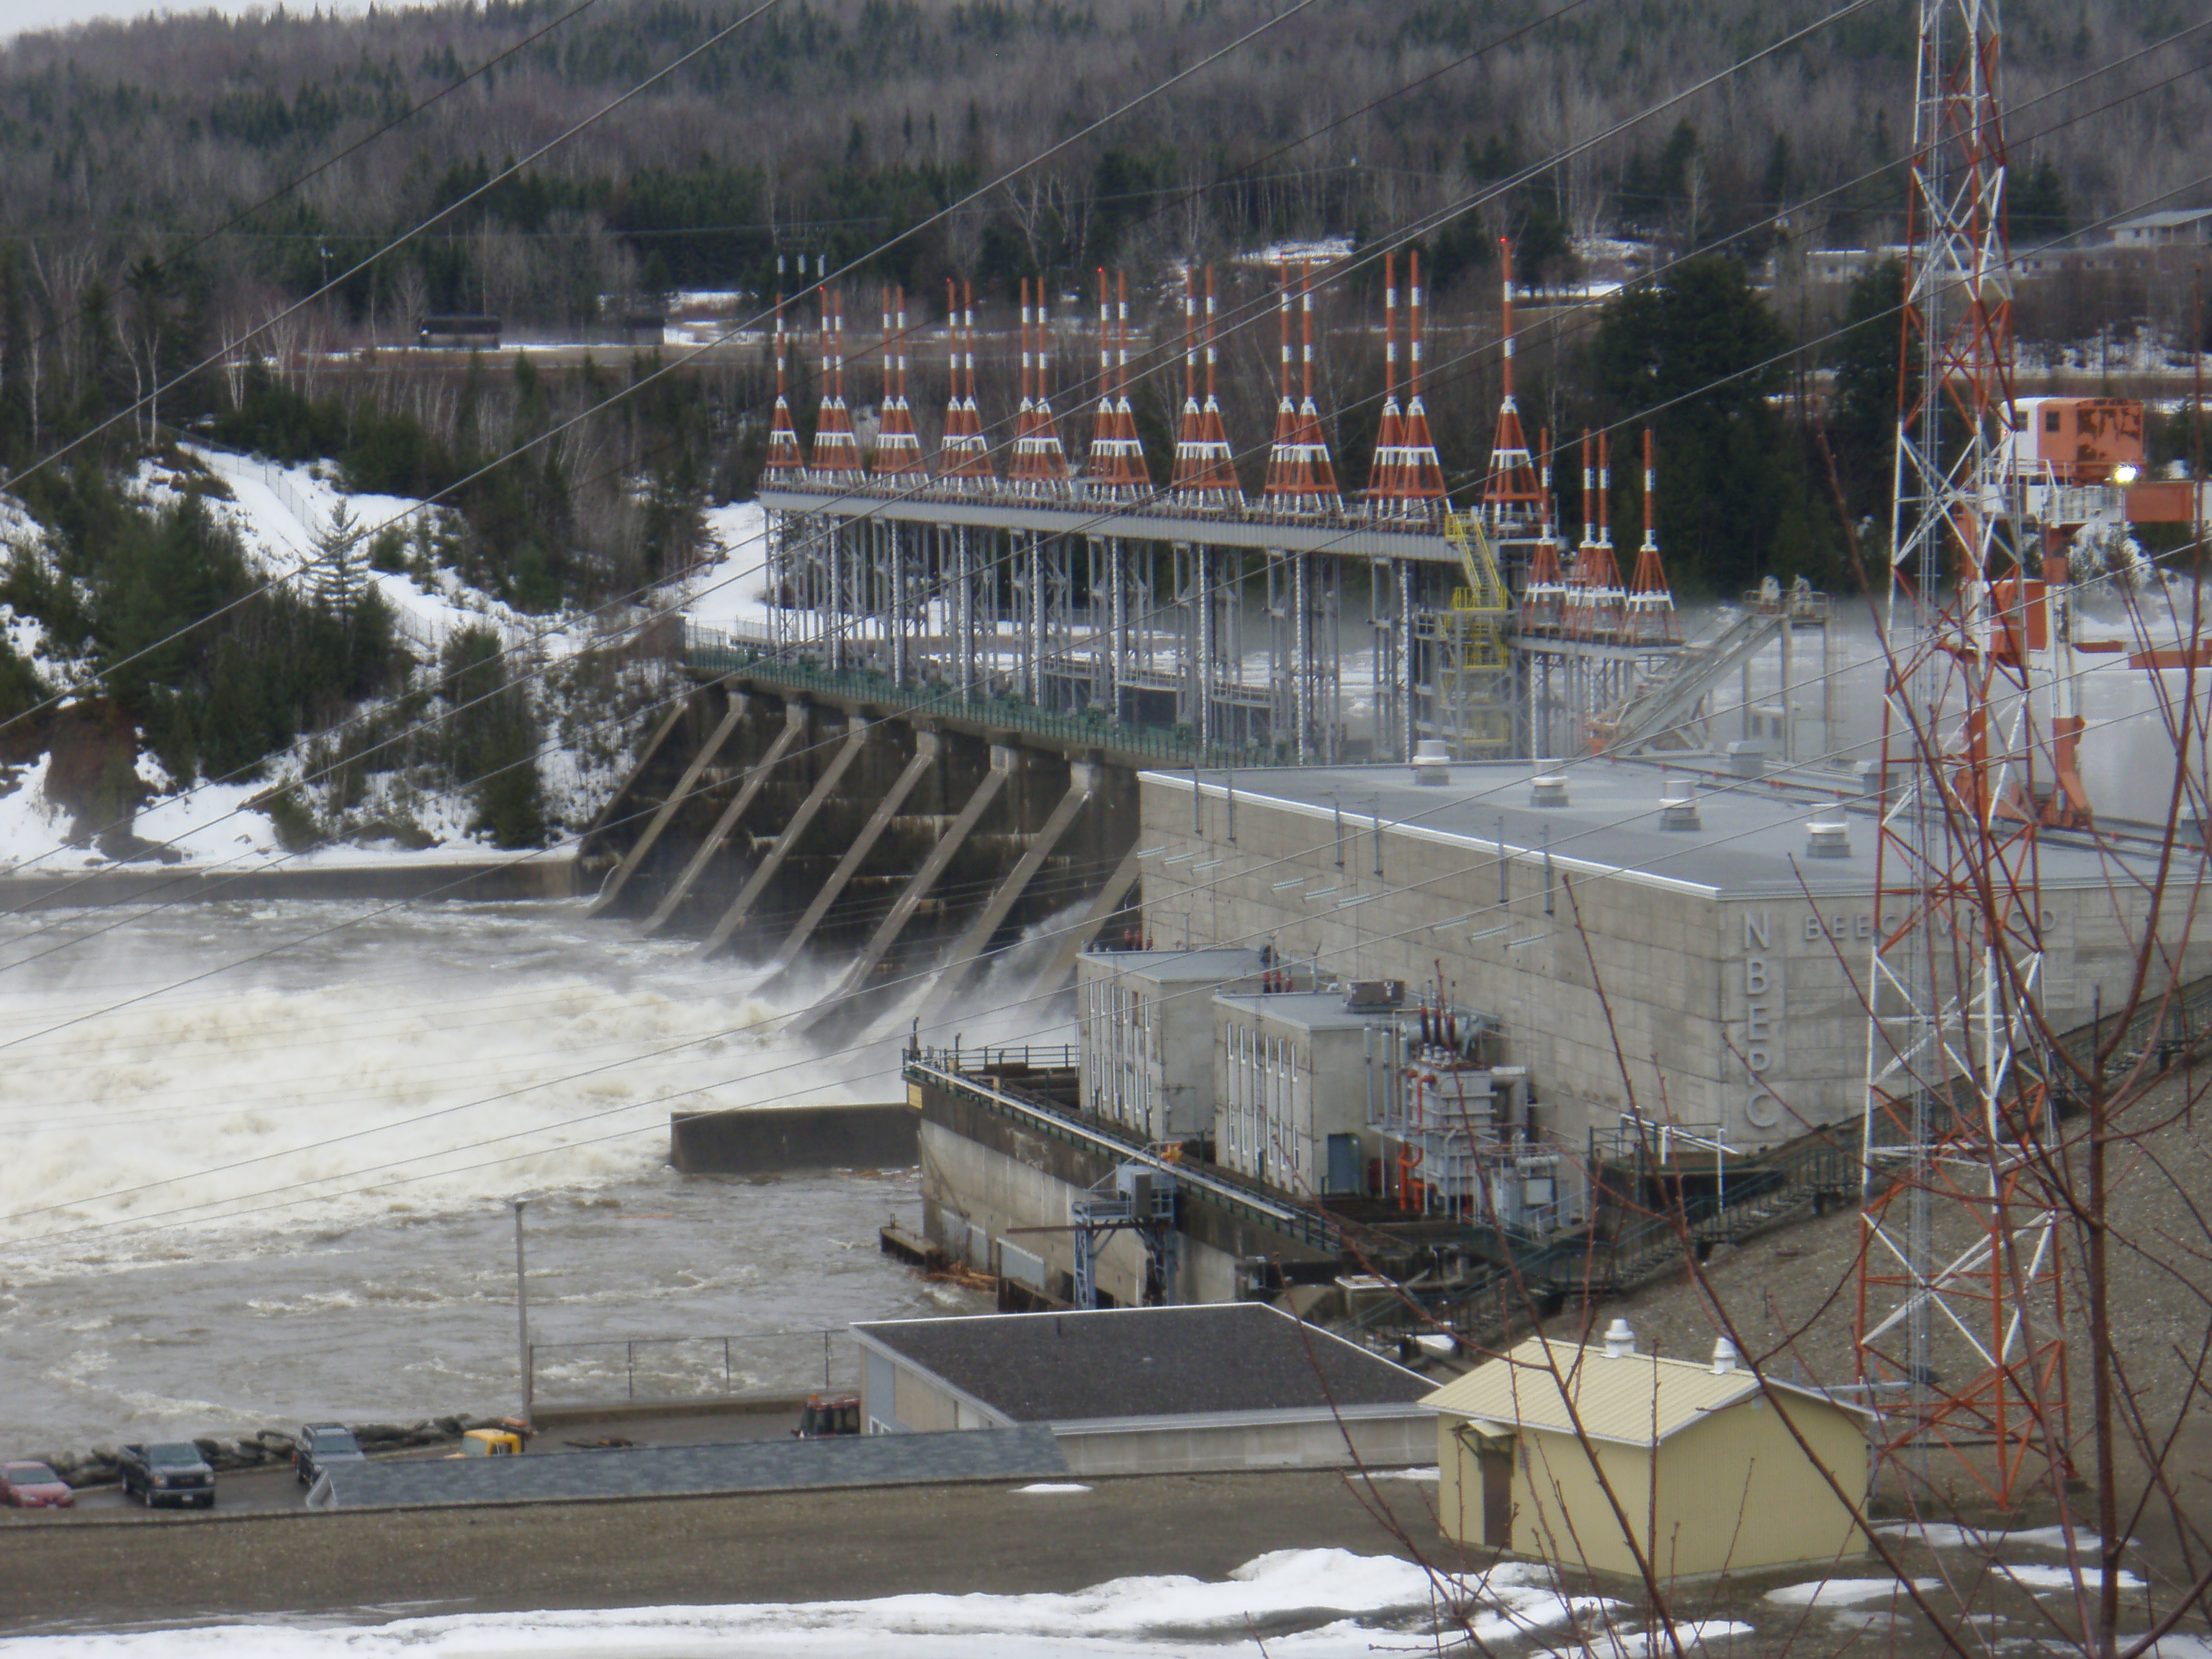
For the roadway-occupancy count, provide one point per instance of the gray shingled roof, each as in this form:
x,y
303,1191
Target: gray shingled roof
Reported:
x,y
882,1460
1147,1362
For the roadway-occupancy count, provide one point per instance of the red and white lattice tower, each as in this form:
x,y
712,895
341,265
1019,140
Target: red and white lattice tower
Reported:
x,y
1021,467
1382,472
1578,573
964,457
1189,460
836,458
1511,498
1650,609
1960,1305
898,452
1317,470
1605,599
1543,601
1206,471
1040,466
1117,458
784,461
1281,490
1421,492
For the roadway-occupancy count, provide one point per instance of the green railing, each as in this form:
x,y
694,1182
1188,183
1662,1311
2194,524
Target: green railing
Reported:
x,y
713,653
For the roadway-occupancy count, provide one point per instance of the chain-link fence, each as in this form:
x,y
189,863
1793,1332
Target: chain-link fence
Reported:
x,y
676,1367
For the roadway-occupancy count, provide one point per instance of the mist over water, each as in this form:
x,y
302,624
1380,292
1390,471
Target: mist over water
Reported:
x,y
283,1189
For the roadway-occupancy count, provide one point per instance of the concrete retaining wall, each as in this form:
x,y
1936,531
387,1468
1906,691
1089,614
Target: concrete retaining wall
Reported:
x,y
505,880
1386,1442
770,1139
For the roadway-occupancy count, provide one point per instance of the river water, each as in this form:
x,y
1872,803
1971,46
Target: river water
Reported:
x,y
259,1156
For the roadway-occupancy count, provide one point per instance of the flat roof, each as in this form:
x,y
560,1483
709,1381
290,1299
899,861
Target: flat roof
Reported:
x,y
876,1460
1308,1010
1211,1359
1209,964
1750,841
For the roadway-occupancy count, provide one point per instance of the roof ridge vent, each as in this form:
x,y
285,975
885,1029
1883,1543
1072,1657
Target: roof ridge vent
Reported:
x,y
1723,1357
1620,1340
1550,790
1827,840
1431,761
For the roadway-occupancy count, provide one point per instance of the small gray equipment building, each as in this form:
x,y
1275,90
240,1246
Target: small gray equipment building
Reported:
x,y
1233,1385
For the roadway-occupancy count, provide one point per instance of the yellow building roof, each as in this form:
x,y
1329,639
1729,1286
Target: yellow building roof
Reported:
x,y
1636,1400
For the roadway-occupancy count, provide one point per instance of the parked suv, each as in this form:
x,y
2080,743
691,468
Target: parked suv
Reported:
x,y
167,1471
322,1444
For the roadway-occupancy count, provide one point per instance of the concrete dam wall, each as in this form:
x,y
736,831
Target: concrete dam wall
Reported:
x,y
904,851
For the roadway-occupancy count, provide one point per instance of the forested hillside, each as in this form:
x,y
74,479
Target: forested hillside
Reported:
x,y
177,182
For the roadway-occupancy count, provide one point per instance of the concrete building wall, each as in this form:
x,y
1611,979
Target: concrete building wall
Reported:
x,y
1390,1442
1616,991
1147,1047
985,1187
1659,953
1281,1091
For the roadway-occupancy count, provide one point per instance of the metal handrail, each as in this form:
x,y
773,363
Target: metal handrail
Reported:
x,y
628,1348
712,651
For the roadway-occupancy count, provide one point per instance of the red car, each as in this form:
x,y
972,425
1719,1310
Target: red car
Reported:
x,y
34,1487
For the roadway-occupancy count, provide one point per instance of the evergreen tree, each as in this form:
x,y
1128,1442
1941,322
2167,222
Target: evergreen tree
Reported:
x,y
1702,352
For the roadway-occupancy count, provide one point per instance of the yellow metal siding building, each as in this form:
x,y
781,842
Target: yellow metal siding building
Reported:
x,y
1703,1472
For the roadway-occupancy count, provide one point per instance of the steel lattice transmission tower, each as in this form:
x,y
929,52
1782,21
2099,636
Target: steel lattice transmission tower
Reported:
x,y
1960,1308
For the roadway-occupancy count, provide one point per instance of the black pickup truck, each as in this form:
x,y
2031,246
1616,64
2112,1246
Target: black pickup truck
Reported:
x,y
167,1472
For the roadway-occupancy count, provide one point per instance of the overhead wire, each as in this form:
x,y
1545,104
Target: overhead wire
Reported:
x,y
211,972
1556,850
1484,864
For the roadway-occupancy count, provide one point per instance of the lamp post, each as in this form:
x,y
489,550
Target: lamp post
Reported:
x,y
522,1314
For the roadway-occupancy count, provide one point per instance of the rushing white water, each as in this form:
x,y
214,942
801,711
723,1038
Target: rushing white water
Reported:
x,y
281,1187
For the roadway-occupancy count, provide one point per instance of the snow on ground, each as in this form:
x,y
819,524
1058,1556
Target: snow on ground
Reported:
x,y
1348,1605
281,514
1846,1592
730,593
1943,1536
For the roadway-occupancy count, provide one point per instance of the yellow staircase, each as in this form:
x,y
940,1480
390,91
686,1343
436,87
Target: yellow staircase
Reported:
x,y
1473,662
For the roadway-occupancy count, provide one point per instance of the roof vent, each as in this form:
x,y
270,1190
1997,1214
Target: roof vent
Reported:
x,y
1678,812
1747,759
1549,791
1620,1341
1827,840
1362,996
1723,1357
1431,761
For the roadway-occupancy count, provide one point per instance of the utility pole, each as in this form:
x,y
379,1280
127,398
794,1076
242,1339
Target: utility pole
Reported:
x,y
522,1314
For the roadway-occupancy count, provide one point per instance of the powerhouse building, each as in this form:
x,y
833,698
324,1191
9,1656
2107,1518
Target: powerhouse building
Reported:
x,y
1635,942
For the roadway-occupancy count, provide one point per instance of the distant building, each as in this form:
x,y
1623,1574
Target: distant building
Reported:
x,y
480,333
1697,1457
1234,1385
2175,225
